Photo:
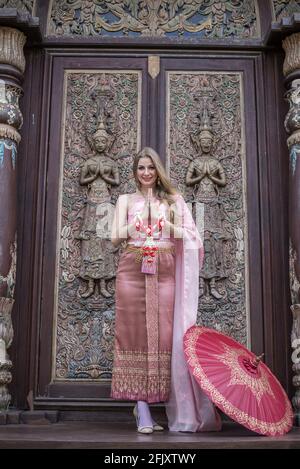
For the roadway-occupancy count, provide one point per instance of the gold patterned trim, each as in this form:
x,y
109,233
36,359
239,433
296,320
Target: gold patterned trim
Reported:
x,y
261,426
257,384
153,66
139,253
6,131
136,375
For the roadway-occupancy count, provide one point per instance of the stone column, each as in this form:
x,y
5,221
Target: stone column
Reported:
x,y
291,70
12,65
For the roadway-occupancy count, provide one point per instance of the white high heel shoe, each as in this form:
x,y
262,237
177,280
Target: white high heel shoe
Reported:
x,y
156,427
147,429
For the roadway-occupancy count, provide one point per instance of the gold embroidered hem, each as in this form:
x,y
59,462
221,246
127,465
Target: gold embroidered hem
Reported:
x,y
137,377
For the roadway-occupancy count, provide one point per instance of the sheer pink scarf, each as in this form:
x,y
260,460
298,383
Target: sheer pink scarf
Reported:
x,y
188,408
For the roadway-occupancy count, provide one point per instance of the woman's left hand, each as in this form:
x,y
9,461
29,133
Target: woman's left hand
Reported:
x,y
155,213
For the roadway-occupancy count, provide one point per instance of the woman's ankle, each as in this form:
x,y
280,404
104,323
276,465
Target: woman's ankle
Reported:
x,y
144,413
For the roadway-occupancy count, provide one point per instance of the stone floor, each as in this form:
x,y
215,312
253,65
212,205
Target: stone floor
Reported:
x,y
121,436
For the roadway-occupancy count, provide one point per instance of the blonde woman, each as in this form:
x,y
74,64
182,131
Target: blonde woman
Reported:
x,y
156,301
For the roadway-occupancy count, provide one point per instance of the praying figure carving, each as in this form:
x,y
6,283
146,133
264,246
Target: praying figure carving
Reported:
x,y
207,175
98,173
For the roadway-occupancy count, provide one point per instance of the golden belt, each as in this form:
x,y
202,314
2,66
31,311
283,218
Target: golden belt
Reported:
x,y
139,252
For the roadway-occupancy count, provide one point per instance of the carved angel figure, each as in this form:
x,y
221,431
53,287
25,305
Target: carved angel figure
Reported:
x,y
207,174
98,173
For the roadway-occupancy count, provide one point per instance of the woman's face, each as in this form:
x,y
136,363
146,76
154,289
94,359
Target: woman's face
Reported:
x,y
146,173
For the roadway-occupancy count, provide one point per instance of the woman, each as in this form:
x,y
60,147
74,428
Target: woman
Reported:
x,y
156,301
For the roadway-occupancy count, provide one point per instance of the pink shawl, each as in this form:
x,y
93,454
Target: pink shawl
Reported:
x,y
188,408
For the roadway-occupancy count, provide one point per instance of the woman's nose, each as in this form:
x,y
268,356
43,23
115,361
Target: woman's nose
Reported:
x,y
146,170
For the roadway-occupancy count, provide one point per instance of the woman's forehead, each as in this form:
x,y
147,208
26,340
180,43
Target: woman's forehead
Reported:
x,y
145,161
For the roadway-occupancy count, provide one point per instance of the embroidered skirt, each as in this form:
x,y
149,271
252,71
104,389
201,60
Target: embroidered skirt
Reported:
x,y
144,328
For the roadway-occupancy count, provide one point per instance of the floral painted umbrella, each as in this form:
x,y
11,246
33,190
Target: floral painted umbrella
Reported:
x,y
237,381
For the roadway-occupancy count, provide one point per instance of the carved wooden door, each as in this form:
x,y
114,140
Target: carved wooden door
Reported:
x,y
203,95
98,105
117,97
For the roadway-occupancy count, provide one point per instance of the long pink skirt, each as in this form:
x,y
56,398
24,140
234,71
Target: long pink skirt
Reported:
x,y
144,328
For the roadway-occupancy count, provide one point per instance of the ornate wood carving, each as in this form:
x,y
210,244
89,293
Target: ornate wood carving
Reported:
x,y
206,18
22,5
295,341
11,47
6,338
101,134
11,52
292,125
292,57
282,8
205,104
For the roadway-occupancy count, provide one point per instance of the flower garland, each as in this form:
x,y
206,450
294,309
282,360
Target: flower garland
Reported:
x,y
149,248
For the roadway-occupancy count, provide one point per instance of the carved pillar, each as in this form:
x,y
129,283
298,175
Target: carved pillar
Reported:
x,y
12,65
291,70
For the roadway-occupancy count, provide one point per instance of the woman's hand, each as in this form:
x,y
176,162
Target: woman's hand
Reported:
x,y
154,212
145,212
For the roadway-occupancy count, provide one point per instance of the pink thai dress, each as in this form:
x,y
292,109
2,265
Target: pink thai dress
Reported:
x,y
153,311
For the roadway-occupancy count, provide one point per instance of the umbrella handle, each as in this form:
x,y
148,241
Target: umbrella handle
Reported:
x,y
257,360
252,364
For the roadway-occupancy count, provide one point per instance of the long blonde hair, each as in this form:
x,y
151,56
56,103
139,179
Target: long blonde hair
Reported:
x,y
164,188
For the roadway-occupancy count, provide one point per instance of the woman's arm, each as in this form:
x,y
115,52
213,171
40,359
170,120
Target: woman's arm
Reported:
x,y
173,223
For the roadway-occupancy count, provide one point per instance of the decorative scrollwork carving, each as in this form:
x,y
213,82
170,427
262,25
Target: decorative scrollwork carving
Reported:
x,y
295,342
6,337
218,205
292,125
102,129
206,18
22,5
10,278
284,8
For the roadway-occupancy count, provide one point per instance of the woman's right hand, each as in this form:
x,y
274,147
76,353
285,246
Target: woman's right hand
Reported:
x,y
145,212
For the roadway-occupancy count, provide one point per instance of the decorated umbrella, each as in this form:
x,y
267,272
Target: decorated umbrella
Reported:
x,y
237,381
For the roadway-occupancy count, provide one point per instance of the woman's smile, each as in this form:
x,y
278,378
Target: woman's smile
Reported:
x,y
146,172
